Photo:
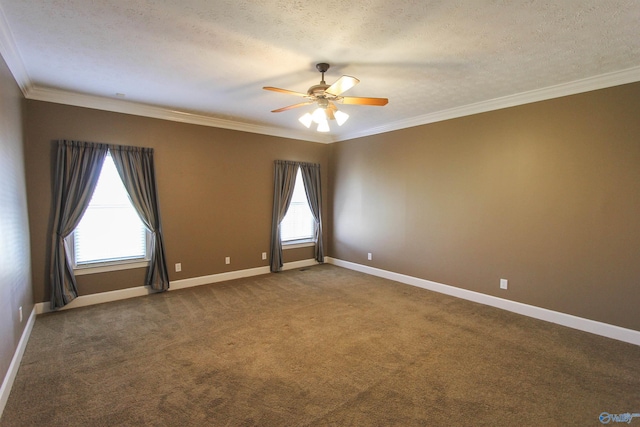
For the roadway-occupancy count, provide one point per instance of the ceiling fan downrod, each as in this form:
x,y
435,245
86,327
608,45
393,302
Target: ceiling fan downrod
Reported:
x,y
322,67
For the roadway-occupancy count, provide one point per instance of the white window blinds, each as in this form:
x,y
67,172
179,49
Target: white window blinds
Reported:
x,y
298,223
110,229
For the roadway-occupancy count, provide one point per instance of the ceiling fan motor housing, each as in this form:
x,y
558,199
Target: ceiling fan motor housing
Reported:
x,y
317,91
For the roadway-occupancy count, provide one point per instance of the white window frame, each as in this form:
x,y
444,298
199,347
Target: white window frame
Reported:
x,y
111,265
300,243
105,266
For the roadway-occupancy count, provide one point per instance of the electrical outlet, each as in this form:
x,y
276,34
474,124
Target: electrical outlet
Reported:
x,y
227,260
264,255
369,256
503,283
20,311
178,267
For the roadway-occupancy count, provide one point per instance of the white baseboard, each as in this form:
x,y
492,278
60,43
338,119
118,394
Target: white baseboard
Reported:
x,y
215,278
575,322
7,383
299,264
85,300
239,274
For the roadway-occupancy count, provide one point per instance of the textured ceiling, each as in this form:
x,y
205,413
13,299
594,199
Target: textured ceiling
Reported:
x,y
208,60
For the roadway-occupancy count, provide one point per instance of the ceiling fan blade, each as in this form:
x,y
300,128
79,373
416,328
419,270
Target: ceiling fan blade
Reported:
x,y
363,101
343,84
290,92
301,104
329,113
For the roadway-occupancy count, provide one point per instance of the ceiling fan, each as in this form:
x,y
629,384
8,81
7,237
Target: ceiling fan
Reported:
x,y
326,96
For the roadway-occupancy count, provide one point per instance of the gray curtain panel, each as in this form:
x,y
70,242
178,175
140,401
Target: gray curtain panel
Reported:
x,y
311,178
78,166
283,183
136,168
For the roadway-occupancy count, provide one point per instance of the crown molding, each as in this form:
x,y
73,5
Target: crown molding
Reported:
x,y
14,61
616,78
11,55
145,110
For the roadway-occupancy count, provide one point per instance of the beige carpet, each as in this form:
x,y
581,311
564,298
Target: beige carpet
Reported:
x,y
324,346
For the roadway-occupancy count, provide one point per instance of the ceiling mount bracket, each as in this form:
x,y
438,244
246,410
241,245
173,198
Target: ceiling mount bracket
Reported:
x,y
322,67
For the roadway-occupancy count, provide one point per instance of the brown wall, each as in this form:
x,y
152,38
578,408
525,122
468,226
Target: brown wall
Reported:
x,y
546,195
215,189
15,273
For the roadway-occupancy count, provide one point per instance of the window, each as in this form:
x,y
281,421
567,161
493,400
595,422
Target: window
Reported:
x,y
298,225
110,232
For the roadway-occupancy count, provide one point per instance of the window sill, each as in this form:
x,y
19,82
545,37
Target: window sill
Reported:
x,y
103,268
294,244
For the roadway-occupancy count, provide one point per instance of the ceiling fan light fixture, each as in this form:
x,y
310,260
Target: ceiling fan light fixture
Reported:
x,y
323,126
319,115
306,120
340,117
